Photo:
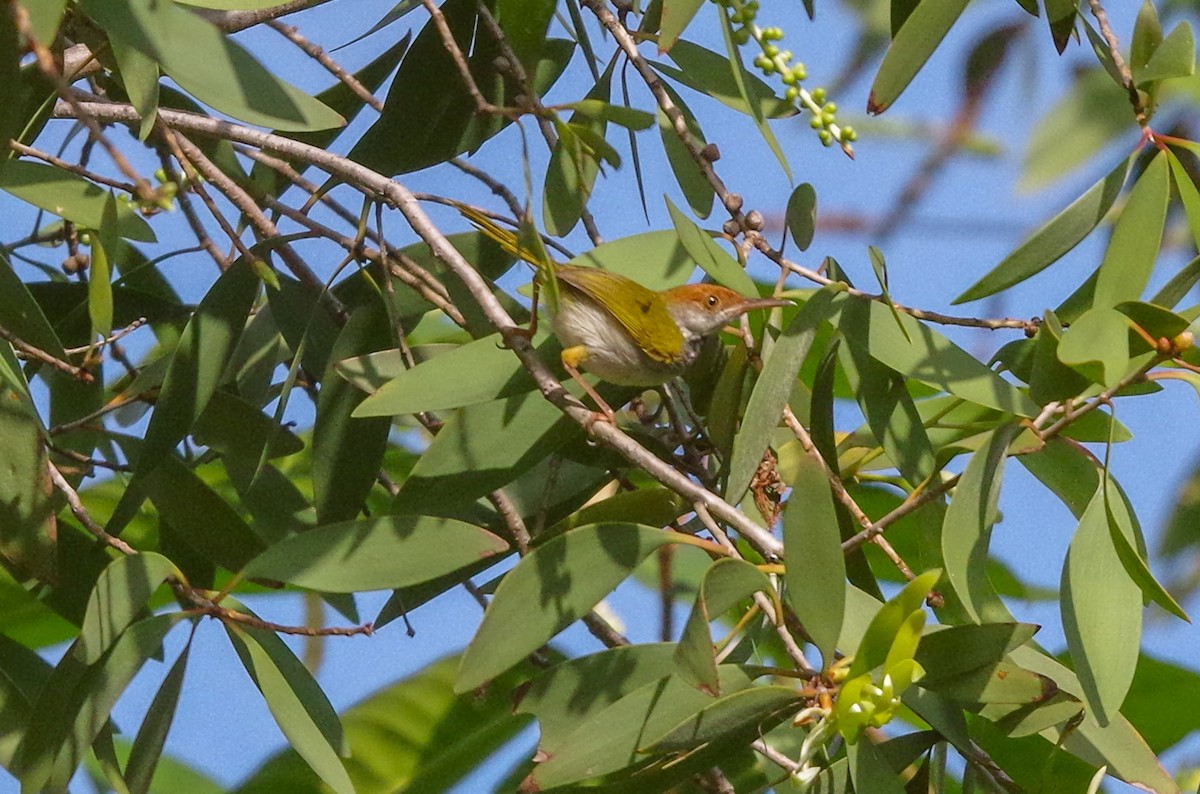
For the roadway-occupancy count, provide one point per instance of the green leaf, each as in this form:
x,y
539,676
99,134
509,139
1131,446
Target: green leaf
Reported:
x,y
375,553
211,67
1136,237
239,431
120,594
1091,115
869,770
483,447
74,705
152,735
70,197
573,168
1174,57
552,587
1118,743
801,215
566,695
876,643
1147,35
612,739
883,395
742,82
709,73
656,260
712,258
911,47
347,453
1097,346
1190,198
196,367
21,315
1128,542
757,706
196,515
437,383
44,18
23,673
1054,239
1050,379
955,650
726,583
139,76
296,702
772,390
967,529
100,298
696,188
413,735
676,16
815,575
1103,625
428,115
26,510
1000,683
927,356
1060,14
630,118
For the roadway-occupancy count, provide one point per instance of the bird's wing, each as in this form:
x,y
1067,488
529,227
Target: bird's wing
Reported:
x,y
641,311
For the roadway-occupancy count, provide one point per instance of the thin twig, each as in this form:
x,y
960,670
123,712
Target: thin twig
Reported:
x,y
482,105
1114,52
80,512
36,353
293,34
58,162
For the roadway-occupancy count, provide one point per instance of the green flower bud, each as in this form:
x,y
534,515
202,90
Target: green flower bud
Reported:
x,y
816,123
793,94
849,134
826,137
771,50
831,107
818,95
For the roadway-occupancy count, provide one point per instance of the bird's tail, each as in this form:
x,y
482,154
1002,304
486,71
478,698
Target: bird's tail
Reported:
x,y
524,243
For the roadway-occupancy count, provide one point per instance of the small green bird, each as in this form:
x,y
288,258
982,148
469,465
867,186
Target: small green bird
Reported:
x,y
617,329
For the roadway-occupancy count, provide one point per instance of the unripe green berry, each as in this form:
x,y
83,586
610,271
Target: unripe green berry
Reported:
x,y
831,107
826,137
800,70
771,50
793,94
741,36
818,95
816,123
828,118
736,17
788,76
849,134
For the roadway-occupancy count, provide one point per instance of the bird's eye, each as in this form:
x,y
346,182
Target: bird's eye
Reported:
x,y
713,300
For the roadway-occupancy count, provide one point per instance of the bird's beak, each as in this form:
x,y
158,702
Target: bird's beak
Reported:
x,y
751,304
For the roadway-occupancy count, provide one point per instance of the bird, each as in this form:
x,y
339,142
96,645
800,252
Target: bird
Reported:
x,y
615,328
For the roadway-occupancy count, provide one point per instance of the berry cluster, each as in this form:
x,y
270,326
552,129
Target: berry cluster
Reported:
x,y
774,60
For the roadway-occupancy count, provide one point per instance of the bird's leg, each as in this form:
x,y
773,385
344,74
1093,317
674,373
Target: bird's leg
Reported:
x,y
572,357
529,332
